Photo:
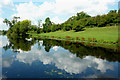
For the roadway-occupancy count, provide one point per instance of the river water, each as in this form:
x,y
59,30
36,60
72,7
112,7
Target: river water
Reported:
x,y
43,58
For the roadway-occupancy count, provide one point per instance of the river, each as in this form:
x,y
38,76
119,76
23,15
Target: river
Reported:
x,y
24,58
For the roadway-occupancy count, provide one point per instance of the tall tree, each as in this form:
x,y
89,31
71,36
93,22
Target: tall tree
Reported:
x,y
47,25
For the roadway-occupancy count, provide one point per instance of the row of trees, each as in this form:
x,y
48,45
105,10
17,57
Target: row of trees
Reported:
x,y
82,20
48,26
77,23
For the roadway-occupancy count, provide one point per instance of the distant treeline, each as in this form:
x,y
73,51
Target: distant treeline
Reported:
x,y
82,20
76,23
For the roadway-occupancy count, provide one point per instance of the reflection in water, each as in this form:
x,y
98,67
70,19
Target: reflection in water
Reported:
x,y
81,50
0,64
70,57
65,61
3,42
18,44
55,48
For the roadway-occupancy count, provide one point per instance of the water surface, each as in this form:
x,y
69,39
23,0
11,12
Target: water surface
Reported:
x,y
23,58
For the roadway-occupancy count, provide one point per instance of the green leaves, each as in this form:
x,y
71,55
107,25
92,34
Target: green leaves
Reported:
x,y
19,29
47,25
82,15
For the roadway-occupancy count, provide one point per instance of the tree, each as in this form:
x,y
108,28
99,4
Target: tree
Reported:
x,y
67,27
33,28
19,29
39,23
53,27
119,16
82,15
47,25
39,30
11,23
78,26
6,21
15,19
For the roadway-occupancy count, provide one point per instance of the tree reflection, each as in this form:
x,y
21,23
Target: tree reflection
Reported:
x,y
76,48
19,43
81,50
47,45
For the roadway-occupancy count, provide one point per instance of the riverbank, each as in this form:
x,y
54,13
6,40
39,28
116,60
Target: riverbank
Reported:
x,y
103,36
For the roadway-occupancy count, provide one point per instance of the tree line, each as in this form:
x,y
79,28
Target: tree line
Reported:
x,y
82,20
76,23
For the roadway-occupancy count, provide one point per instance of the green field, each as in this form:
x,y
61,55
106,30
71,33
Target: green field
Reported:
x,y
106,34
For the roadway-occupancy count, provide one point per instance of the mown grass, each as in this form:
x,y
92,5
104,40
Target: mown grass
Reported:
x,y
101,34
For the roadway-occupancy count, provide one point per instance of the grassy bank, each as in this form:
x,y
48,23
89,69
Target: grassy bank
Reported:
x,y
103,37
101,34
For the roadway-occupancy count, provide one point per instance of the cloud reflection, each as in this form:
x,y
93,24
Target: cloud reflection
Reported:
x,y
64,60
3,39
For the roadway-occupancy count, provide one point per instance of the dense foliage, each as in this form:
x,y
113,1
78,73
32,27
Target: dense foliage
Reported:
x,y
76,23
82,20
19,29
19,43
47,25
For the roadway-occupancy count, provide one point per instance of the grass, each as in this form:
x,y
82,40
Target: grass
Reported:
x,y
101,34
1,32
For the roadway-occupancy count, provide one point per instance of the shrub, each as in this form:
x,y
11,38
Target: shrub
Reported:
x,y
89,39
94,39
77,38
68,37
94,44
67,42
52,36
83,38
77,42
83,43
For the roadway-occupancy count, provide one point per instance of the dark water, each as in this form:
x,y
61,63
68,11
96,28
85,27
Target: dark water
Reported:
x,y
22,58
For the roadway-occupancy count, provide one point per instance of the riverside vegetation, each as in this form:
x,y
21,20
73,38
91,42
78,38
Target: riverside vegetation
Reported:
x,y
80,28
81,47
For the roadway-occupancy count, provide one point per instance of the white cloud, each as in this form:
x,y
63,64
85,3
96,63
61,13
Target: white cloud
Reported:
x,y
61,8
56,20
3,26
32,12
5,4
92,7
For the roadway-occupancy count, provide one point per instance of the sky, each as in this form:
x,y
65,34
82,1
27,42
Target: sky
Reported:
x,y
58,10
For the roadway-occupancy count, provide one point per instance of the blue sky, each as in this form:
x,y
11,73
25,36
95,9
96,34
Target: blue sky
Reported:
x,y
58,10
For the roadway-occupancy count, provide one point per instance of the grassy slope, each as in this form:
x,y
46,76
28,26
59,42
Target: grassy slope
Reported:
x,y
109,34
